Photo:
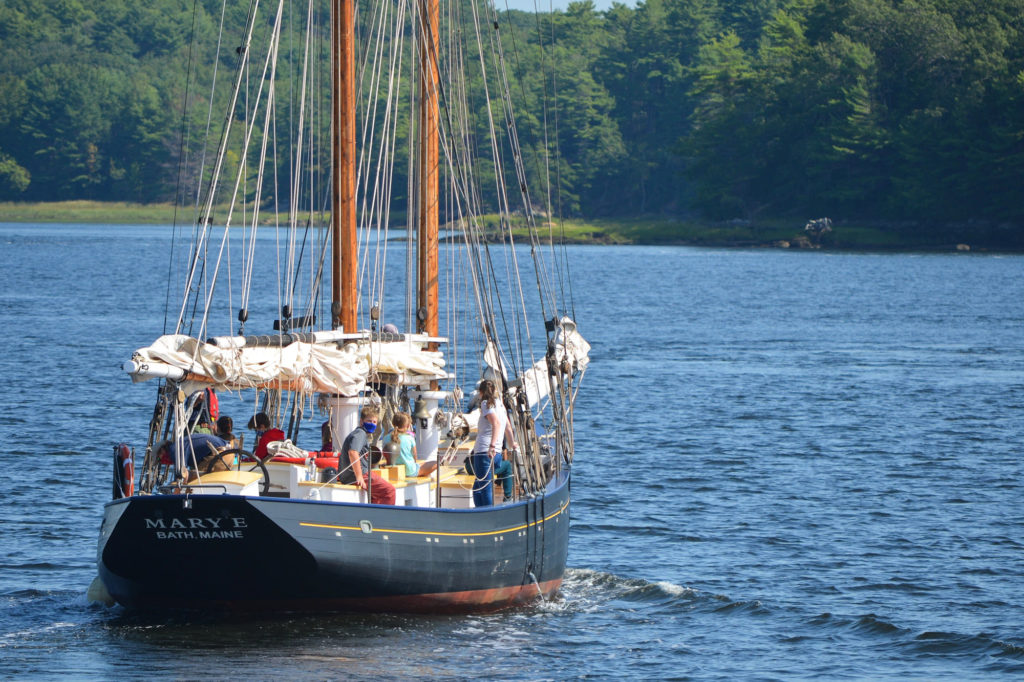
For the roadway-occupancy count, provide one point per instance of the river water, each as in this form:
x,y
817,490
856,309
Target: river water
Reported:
x,y
789,465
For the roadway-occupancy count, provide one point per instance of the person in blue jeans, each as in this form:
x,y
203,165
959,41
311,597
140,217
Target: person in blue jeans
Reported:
x,y
502,472
491,430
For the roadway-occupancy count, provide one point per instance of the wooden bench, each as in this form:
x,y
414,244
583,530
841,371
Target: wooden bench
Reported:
x,y
227,482
331,492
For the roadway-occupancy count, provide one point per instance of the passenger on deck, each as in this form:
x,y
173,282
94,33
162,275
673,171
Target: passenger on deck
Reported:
x,y
326,438
502,474
205,410
264,434
354,460
492,428
406,443
201,449
429,465
224,427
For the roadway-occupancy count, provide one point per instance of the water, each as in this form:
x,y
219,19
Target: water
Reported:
x,y
790,465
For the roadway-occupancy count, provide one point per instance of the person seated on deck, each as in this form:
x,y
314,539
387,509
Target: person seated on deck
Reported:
x,y
205,410
326,438
354,460
492,428
224,427
406,443
429,465
264,434
200,450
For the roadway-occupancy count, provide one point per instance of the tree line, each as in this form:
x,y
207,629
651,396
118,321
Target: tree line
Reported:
x,y
888,110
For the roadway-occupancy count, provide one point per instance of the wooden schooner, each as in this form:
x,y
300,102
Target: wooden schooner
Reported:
x,y
280,532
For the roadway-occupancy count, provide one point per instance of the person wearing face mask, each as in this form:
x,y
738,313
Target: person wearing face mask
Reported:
x,y
354,460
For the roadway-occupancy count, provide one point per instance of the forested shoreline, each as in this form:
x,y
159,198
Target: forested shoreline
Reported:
x,y
905,112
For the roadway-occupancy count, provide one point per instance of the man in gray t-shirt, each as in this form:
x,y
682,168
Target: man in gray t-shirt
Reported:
x,y
358,441
354,461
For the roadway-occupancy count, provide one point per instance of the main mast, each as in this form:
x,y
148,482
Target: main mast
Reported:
x,y
344,246
427,227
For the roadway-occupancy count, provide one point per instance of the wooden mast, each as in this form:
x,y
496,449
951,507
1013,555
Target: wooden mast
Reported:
x,y
343,162
427,214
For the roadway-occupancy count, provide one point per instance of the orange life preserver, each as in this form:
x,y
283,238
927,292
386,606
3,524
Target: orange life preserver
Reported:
x,y
124,475
212,405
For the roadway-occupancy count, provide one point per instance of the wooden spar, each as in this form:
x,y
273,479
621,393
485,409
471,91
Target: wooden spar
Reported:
x,y
427,227
344,246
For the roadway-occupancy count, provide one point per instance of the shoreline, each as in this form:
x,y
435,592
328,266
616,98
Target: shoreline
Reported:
x,y
638,231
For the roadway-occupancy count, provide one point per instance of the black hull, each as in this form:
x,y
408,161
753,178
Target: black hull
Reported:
x,y
259,553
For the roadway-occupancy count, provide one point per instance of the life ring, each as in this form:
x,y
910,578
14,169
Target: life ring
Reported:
x,y
124,471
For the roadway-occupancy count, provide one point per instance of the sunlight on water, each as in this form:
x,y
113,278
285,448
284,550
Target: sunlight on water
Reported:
x,y
788,465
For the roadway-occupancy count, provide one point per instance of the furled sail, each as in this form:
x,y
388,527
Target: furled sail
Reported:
x,y
569,347
305,367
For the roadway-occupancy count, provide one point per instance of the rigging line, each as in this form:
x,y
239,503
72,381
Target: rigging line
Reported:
x,y
317,99
564,267
520,168
269,126
184,137
510,254
470,235
373,63
484,304
375,211
291,104
450,272
411,215
298,269
205,149
394,86
451,154
297,165
270,64
396,83
315,288
367,63
325,199
317,264
518,159
225,133
385,173
544,94
315,157
294,254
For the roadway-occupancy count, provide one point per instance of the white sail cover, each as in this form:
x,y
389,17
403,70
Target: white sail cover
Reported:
x,y
569,345
299,366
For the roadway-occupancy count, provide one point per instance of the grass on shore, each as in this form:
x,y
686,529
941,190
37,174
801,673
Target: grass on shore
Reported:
x,y
113,213
732,233
641,230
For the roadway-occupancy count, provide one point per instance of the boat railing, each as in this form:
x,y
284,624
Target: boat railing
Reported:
x,y
189,487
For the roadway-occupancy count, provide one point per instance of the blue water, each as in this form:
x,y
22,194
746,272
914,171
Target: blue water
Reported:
x,y
789,465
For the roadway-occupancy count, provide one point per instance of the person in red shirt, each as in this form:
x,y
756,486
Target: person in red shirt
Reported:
x,y
264,434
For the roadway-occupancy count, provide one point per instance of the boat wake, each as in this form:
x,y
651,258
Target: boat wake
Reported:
x,y
586,590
